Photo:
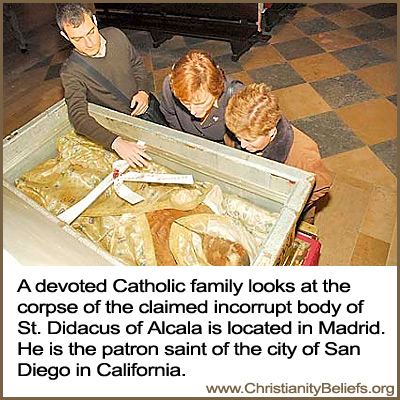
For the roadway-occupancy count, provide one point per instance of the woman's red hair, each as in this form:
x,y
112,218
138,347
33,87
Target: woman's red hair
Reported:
x,y
196,71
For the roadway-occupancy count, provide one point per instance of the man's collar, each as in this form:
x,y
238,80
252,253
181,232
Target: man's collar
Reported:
x,y
102,51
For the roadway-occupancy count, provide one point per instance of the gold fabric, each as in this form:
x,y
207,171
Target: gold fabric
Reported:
x,y
171,226
127,237
117,226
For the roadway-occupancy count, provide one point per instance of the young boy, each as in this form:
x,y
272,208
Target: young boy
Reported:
x,y
255,119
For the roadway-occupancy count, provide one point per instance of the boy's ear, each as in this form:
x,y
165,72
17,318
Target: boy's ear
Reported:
x,y
64,35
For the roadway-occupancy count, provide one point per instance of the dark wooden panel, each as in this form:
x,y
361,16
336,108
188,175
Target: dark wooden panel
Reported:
x,y
223,11
233,22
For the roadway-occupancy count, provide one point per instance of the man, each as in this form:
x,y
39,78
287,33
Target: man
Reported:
x,y
104,68
254,117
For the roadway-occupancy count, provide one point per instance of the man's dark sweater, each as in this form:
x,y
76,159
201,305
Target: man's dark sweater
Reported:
x,y
122,65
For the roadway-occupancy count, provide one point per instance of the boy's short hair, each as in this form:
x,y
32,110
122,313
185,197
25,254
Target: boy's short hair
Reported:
x,y
72,14
253,111
196,70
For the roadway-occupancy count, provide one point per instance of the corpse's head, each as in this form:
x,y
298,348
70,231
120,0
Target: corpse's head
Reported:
x,y
252,116
79,26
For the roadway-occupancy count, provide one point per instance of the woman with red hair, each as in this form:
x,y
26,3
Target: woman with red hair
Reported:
x,y
195,95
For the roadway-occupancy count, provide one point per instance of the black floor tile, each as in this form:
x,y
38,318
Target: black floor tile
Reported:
x,y
162,59
298,48
393,99
53,72
276,76
372,31
360,57
387,46
214,47
387,153
176,42
193,41
42,63
135,34
344,90
316,25
332,135
330,8
381,10
226,63
141,40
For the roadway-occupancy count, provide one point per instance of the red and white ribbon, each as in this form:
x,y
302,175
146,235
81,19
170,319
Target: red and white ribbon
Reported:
x,y
117,178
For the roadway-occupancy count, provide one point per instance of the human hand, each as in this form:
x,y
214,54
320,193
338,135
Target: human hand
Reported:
x,y
132,152
139,103
229,141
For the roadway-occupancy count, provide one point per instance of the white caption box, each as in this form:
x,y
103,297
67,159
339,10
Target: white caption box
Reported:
x,y
282,360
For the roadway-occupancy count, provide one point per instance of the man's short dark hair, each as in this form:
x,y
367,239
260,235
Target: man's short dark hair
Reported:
x,y
72,14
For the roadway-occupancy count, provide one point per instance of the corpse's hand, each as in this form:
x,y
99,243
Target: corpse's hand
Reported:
x,y
131,152
139,103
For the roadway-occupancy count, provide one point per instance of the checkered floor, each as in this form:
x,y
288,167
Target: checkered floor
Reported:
x,y
334,69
